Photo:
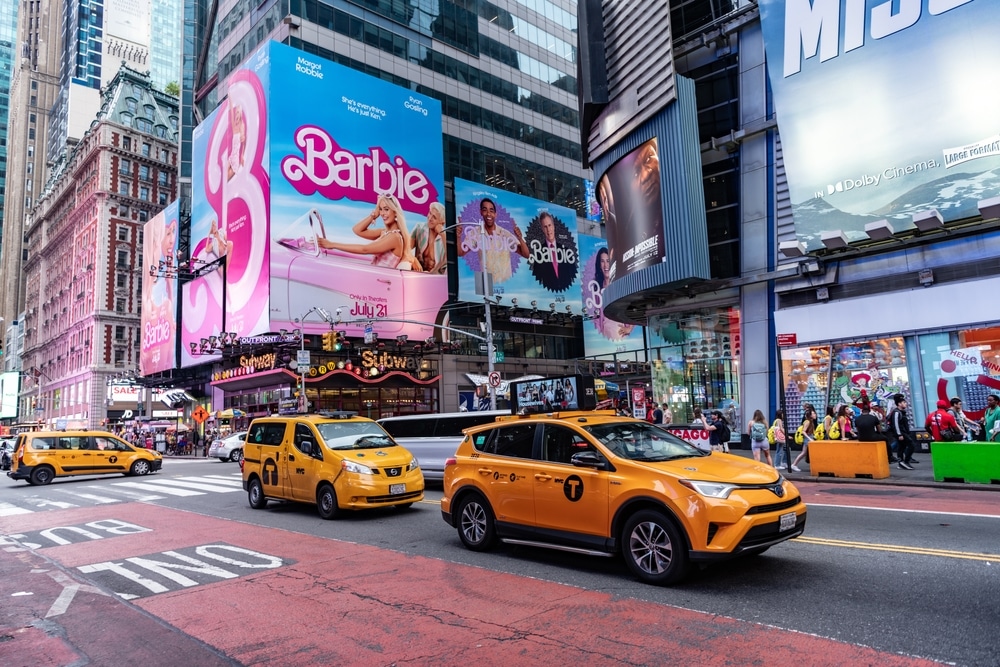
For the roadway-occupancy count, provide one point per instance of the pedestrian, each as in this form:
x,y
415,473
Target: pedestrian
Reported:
x,y
844,422
898,428
719,432
668,415
991,421
941,424
828,431
968,427
757,430
867,430
657,414
777,431
808,427
649,412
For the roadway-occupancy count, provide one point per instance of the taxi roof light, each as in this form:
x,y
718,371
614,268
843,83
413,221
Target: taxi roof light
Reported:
x,y
338,414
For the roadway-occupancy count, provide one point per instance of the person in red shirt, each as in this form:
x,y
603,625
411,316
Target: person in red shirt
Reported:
x,y
940,420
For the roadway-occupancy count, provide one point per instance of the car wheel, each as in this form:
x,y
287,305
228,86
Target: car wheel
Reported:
x,y
653,548
476,526
223,459
236,455
326,502
41,476
140,467
255,495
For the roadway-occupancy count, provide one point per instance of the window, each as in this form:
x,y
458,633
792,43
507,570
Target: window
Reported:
x,y
127,143
131,104
163,178
513,441
119,308
119,333
120,354
124,188
121,280
125,167
163,198
123,210
143,215
144,193
146,148
144,172
164,155
122,232
122,259
559,444
267,434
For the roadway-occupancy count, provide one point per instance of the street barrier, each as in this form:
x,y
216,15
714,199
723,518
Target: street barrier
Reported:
x,y
848,458
973,462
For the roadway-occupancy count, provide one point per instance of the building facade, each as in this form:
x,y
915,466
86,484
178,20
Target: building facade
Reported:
x,y
84,269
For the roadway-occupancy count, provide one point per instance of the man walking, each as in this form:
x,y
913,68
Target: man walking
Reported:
x,y
899,430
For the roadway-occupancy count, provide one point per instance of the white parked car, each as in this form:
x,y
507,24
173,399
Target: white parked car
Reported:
x,y
229,448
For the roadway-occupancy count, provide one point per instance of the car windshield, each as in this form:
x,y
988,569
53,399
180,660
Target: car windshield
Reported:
x,y
354,435
640,441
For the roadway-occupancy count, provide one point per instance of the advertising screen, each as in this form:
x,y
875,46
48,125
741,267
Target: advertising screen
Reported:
x,y
571,392
357,192
9,387
529,246
601,336
884,109
159,292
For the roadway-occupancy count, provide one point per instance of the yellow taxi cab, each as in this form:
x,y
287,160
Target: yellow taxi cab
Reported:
x,y
599,484
337,461
41,456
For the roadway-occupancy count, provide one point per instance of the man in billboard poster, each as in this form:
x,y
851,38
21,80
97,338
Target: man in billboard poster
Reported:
x,y
553,253
638,237
494,242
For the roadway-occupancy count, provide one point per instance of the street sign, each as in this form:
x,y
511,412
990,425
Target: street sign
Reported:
x,y
787,339
494,379
497,357
369,334
302,359
200,414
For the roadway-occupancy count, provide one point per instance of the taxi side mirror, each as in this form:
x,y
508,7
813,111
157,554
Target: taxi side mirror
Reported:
x,y
588,460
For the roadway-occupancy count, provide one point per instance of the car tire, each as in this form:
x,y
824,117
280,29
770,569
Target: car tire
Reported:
x,y
41,476
255,494
236,455
476,525
653,548
140,468
222,459
326,502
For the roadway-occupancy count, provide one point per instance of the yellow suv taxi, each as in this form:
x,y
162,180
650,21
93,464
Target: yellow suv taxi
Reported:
x,y
41,456
595,483
337,461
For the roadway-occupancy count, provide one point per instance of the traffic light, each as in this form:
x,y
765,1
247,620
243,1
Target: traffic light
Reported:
x,y
341,340
330,341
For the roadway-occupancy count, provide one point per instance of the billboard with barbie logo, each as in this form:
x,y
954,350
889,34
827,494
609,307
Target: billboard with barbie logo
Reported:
x,y
357,192
159,292
601,335
301,204
529,246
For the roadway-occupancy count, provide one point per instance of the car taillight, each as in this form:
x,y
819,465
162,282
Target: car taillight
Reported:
x,y
450,462
241,464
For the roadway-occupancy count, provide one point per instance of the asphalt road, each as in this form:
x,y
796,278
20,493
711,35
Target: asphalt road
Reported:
x,y
911,572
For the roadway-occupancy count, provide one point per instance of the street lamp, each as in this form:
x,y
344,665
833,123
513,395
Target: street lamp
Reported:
x,y
324,315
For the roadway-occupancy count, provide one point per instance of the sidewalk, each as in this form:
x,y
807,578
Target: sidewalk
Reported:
x,y
921,475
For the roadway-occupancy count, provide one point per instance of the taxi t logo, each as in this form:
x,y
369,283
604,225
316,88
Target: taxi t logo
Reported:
x,y
573,488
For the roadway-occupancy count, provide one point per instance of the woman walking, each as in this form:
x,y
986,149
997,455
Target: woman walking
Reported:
x,y
757,430
808,428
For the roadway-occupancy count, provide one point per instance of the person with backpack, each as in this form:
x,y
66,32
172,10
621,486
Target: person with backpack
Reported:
x,y
808,429
777,437
719,432
757,429
898,429
941,424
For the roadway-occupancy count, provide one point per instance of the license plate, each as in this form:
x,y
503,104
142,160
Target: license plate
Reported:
x,y
787,522
395,489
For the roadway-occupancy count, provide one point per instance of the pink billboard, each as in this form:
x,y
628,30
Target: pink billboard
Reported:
x,y
159,292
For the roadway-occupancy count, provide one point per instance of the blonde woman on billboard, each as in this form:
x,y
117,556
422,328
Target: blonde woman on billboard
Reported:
x,y
428,241
238,147
389,245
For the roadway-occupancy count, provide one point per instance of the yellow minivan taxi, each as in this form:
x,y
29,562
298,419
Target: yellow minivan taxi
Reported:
x,y
337,461
595,483
41,456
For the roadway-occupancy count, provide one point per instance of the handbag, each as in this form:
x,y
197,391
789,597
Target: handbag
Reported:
x,y
950,434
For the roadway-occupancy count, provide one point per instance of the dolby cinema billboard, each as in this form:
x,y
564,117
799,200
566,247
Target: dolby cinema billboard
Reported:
x,y
885,109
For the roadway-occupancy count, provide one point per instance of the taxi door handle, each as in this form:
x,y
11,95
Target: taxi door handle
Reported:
x,y
291,457
485,471
542,477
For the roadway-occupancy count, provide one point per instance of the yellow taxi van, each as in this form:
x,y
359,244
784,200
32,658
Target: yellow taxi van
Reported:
x,y
41,456
337,461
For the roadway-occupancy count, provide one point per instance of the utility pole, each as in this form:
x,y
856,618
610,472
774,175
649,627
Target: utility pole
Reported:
x,y
325,316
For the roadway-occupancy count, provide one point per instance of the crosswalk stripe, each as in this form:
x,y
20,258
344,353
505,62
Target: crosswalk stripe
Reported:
x,y
147,486
215,479
131,495
100,500
6,509
206,486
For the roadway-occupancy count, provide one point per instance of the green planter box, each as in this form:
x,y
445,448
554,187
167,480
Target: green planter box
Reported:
x,y
977,462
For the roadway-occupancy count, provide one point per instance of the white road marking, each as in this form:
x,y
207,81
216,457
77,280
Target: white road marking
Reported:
x,y
6,509
206,485
147,486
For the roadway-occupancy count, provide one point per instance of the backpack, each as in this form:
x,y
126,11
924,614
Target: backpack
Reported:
x,y
800,435
722,428
820,432
834,431
888,422
758,432
771,439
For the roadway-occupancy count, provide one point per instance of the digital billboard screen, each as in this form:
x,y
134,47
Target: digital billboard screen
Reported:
x,y
9,388
884,112
528,246
630,196
357,192
158,313
570,392
601,335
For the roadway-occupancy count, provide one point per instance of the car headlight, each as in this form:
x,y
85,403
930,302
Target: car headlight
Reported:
x,y
709,489
351,466
414,464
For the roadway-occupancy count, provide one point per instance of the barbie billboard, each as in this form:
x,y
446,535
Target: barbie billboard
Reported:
x,y
159,292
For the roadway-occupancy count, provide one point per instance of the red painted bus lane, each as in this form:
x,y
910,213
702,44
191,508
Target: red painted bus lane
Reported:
x,y
266,596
